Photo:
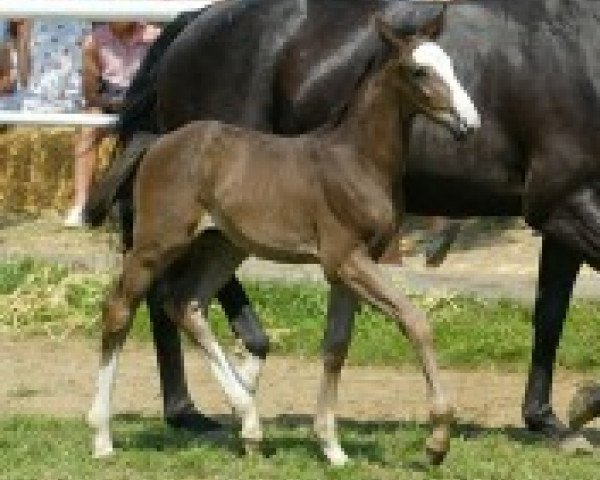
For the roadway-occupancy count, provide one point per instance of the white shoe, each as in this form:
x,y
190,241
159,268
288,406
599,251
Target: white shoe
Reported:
x,y
74,217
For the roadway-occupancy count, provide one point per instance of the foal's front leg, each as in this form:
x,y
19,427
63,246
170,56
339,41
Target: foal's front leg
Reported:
x,y
364,278
340,317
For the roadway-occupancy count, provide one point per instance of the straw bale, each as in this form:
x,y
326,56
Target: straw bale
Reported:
x,y
36,168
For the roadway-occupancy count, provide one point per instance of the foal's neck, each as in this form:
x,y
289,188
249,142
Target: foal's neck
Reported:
x,y
377,122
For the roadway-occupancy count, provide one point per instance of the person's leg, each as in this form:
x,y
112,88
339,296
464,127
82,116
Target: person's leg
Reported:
x,y
86,142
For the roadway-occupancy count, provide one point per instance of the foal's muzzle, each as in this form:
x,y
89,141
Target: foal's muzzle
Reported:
x,y
460,127
463,130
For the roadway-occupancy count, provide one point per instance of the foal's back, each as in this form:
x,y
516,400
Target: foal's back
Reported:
x,y
275,196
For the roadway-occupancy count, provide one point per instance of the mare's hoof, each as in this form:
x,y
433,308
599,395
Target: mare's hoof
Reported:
x,y
544,421
575,444
193,421
585,406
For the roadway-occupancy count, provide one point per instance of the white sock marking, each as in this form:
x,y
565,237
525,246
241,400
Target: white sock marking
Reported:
x,y
99,414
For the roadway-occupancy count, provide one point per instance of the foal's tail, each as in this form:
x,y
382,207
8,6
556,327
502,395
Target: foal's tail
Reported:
x,y
137,124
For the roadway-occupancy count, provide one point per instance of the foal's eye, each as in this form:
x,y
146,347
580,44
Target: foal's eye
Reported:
x,y
419,72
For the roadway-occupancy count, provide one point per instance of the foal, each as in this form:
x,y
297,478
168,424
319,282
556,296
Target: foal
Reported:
x,y
332,197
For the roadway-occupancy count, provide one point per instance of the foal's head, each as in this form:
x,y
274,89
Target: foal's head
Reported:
x,y
427,79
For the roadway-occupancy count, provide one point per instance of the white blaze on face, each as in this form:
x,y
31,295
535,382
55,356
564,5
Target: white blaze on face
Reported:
x,y
430,54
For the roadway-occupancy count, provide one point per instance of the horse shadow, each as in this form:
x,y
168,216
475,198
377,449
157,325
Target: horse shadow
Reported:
x,y
292,432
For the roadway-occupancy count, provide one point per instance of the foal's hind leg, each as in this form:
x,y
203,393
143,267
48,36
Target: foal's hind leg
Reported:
x,y
363,276
159,239
340,318
116,321
214,259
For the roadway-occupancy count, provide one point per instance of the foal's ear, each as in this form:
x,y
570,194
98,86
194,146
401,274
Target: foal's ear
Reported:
x,y
386,32
433,27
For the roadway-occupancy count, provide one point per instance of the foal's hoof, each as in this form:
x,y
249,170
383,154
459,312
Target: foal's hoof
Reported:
x,y
575,444
438,443
335,455
437,449
103,451
252,448
585,406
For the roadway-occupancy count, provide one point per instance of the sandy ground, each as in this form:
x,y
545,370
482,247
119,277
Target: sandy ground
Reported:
x,y
57,378
490,258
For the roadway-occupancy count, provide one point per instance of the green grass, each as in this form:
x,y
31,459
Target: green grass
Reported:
x,y
42,299
58,449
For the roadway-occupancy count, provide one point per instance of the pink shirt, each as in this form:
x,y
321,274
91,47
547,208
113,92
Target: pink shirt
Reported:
x,y
120,59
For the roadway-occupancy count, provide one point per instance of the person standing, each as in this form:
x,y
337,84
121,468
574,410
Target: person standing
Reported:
x,y
6,83
51,72
112,53
8,65
52,65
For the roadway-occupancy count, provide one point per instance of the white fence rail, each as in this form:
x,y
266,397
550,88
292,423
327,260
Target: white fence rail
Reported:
x,y
96,10
60,119
102,10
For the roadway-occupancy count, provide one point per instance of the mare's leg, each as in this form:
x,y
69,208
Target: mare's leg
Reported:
x,y
214,259
364,278
556,278
576,222
340,316
442,234
178,407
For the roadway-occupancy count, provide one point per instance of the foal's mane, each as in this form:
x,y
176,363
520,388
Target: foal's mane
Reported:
x,y
374,63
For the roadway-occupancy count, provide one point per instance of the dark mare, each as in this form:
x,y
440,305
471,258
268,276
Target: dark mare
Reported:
x,y
532,67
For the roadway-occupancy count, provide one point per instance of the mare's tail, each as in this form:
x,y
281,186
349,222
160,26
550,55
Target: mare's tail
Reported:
x,y
137,124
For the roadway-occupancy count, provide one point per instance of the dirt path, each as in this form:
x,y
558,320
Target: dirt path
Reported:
x,y
57,378
489,258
